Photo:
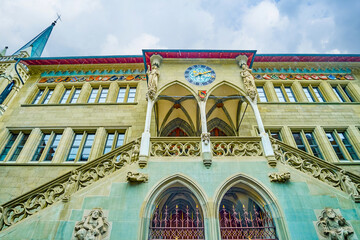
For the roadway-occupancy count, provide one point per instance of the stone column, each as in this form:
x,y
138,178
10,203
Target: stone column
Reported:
x,y
250,88
328,92
153,78
354,135
64,146
30,146
99,143
206,151
57,94
270,92
85,93
287,136
324,144
113,91
299,92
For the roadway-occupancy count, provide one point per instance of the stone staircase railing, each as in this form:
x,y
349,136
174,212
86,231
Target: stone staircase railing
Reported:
x,y
64,186
318,168
236,146
191,146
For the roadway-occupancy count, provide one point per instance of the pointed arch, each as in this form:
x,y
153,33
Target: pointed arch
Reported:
x,y
159,189
223,126
241,92
180,123
176,82
259,193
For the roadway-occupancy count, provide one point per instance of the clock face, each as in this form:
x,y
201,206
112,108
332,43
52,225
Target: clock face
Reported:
x,y
200,75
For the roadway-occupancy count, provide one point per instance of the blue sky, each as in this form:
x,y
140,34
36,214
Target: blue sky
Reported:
x,y
99,27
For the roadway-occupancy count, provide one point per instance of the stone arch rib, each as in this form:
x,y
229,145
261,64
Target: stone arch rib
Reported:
x,y
177,122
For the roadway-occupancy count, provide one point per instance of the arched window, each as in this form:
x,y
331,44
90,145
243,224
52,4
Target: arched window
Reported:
x,y
217,132
242,217
177,215
177,132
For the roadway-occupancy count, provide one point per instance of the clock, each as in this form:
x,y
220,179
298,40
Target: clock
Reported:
x,y
200,75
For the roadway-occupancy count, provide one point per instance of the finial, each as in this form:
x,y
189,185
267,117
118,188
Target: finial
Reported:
x,y
58,18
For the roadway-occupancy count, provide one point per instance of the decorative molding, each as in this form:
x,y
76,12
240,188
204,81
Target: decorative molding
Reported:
x,y
205,138
92,78
236,147
188,147
317,168
52,73
279,177
64,186
331,225
303,70
94,226
137,177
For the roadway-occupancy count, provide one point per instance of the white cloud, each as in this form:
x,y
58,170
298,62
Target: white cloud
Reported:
x,y
112,45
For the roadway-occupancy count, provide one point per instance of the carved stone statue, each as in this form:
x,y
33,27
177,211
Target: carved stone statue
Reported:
x,y
94,226
72,185
249,82
279,177
333,226
135,151
205,137
137,177
349,186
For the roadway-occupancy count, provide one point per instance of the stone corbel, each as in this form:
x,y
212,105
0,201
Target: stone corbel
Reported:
x,y
349,186
93,226
137,177
279,177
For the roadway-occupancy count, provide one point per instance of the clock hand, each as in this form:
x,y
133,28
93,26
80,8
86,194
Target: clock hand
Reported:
x,y
202,73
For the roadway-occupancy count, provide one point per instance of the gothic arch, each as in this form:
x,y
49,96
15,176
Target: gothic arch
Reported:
x,y
176,82
177,122
159,189
223,126
260,194
241,92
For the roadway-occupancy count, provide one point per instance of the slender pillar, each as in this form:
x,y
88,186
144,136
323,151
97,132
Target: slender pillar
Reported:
x,y
145,137
206,151
249,85
30,146
265,140
64,146
153,78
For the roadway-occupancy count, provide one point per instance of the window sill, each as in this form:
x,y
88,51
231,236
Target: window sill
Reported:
x,y
76,104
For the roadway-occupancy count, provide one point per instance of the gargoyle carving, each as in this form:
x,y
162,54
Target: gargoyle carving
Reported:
x,y
137,177
279,177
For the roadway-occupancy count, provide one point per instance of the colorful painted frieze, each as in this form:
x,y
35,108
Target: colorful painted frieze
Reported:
x,y
92,78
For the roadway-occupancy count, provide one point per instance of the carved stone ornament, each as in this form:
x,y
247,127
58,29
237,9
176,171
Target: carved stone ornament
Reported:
x,y
94,226
279,177
205,137
135,151
153,77
333,226
137,177
150,94
349,186
249,81
71,185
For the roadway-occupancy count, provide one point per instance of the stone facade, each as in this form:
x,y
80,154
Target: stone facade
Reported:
x,y
97,154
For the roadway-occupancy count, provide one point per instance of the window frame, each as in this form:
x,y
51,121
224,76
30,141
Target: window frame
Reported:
x,y
284,93
98,95
47,147
307,145
263,91
81,147
342,146
343,93
127,93
115,140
